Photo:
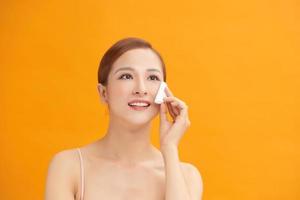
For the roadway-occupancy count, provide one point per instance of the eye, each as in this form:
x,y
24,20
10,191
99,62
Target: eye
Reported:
x,y
155,77
124,75
152,77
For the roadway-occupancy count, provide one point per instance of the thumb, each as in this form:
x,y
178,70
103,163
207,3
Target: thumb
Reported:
x,y
163,112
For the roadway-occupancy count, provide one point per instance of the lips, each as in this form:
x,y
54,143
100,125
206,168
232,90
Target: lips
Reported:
x,y
139,102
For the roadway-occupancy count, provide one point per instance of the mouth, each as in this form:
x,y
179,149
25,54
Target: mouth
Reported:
x,y
139,105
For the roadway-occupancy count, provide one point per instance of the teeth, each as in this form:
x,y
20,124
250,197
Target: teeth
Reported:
x,y
139,104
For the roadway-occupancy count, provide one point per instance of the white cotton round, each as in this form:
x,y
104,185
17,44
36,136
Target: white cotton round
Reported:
x,y
161,93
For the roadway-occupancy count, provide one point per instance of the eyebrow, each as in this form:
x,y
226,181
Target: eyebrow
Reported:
x,y
131,69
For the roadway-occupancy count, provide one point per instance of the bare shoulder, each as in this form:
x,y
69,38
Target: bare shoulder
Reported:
x,y
190,168
64,158
193,178
62,175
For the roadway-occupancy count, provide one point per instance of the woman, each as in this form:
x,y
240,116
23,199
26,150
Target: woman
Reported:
x,y
124,164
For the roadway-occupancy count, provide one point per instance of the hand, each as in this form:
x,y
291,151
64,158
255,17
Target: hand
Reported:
x,y
171,132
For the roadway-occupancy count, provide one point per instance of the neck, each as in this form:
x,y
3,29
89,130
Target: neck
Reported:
x,y
129,144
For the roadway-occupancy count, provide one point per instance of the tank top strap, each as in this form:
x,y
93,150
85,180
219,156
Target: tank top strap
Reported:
x,y
81,173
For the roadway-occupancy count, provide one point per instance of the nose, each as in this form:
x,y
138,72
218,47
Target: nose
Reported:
x,y
140,88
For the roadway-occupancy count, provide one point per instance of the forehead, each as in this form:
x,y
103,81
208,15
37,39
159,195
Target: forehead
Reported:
x,y
139,59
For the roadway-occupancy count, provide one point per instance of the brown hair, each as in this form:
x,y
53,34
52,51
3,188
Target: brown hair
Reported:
x,y
115,51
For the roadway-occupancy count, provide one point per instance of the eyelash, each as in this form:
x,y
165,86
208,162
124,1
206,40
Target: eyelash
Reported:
x,y
121,77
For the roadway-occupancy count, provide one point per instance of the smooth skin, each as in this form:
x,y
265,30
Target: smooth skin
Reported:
x,y
124,164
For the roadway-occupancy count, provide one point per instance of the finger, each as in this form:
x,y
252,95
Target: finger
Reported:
x,y
175,108
171,111
180,104
172,107
163,112
183,115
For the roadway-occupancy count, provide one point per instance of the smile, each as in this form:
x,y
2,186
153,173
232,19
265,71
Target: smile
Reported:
x,y
139,106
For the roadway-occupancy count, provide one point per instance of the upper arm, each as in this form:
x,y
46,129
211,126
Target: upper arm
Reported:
x,y
60,181
194,181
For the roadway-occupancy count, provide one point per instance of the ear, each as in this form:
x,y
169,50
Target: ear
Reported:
x,y
102,92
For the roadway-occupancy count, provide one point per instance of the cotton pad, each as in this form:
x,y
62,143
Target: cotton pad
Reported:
x,y
161,93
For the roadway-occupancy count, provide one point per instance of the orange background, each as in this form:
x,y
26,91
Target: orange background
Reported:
x,y
235,63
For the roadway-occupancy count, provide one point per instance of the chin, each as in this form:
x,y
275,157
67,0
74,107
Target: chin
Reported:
x,y
139,119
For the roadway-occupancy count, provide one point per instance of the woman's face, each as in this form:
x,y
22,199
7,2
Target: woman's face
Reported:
x,y
136,75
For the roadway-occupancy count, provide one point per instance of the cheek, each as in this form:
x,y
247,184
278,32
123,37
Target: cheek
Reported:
x,y
119,93
119,87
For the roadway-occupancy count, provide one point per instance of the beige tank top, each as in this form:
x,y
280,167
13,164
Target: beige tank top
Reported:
x,y
81,174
